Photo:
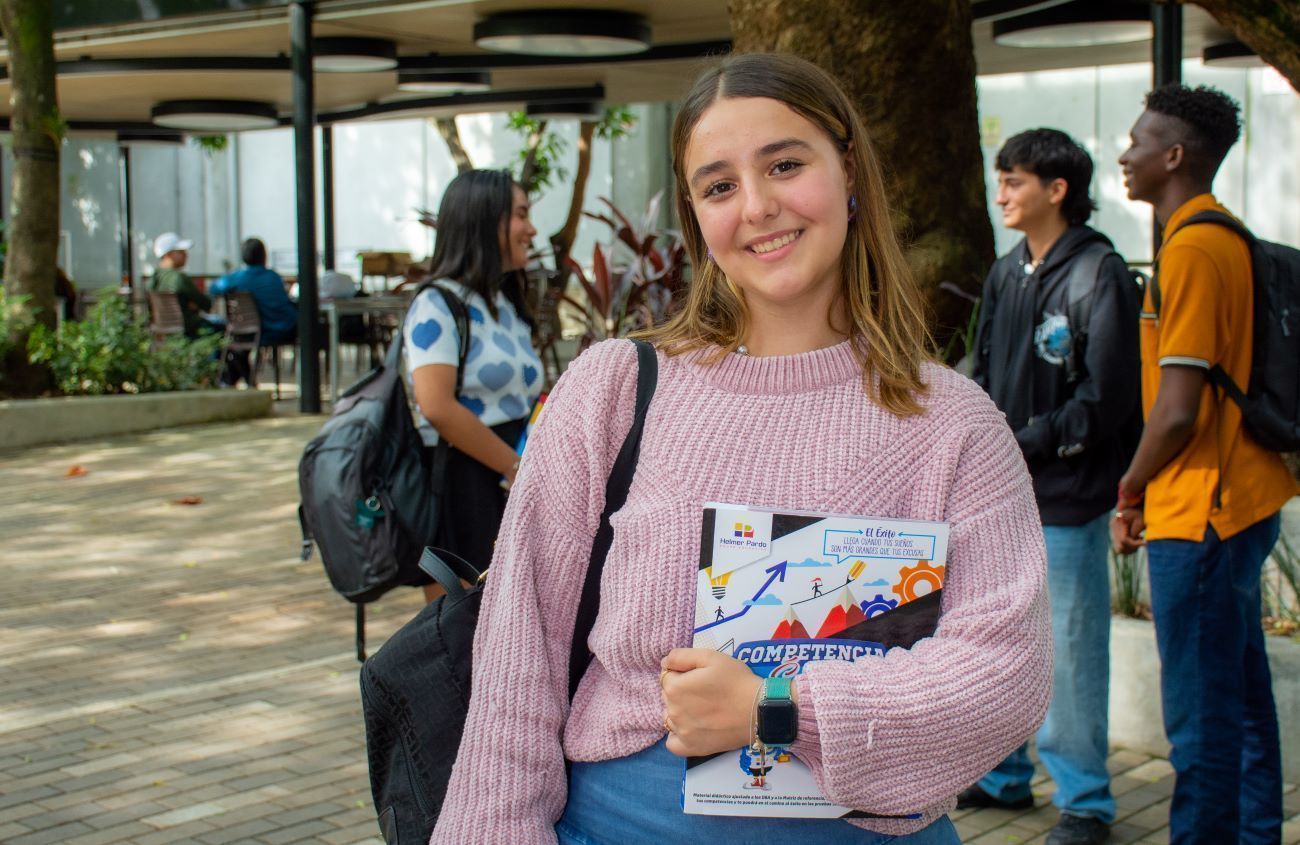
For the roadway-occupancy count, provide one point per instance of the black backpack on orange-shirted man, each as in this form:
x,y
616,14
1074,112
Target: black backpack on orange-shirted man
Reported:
x,y
1270,403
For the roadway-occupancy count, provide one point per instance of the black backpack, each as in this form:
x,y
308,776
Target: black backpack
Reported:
x,y
1270,405
1080,287
415,689
370,499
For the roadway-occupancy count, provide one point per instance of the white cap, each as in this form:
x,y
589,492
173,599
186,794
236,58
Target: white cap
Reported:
x,y
169,242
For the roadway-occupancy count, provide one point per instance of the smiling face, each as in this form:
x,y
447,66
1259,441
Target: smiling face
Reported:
x,y
517,233
1026,202
770,191
1147,161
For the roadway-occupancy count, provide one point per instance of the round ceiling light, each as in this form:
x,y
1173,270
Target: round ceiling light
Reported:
x,y
443,82
353,55
573,110
1230,54
1077,24
564,32
215,115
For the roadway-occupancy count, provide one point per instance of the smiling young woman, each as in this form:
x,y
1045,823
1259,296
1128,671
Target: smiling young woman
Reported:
x,y
796,377
769,147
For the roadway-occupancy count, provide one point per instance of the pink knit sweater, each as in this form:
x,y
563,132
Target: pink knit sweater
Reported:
x,y
899,735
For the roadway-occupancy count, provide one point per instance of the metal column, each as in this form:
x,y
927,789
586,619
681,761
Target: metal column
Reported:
x,y
1166,43
124,195
1166,67
304,119
327,194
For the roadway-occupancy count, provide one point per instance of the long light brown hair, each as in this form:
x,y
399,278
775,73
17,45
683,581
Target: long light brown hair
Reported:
x,y
883,305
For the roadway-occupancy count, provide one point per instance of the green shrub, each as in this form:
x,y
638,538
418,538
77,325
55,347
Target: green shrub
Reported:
x,y
111,352
14,319
1281,588
1127,593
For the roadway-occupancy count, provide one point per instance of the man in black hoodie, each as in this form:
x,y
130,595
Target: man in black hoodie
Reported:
x,y
1057,350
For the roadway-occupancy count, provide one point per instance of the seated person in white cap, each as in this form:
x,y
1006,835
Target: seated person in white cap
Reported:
x,y
172,252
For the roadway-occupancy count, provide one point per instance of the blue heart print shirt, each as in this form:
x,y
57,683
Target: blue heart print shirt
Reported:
x,y
503,375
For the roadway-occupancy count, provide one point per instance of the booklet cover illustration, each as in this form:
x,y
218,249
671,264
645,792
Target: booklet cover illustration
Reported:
x,y
779,590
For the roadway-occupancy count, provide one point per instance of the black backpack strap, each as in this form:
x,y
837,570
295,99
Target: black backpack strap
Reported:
x,y
1078,301
361,632
1218,218
448,569
620,480
460,314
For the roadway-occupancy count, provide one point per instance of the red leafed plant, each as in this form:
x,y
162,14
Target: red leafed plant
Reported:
x,y
632,286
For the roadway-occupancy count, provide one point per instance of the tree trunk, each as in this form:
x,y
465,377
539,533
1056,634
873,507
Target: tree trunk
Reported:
x,y
1269,27
528,173
37,134
910,68
562,241
450,133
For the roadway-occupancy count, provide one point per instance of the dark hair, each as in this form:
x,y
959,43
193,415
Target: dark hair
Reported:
x,y
467,248
1050,154
253,251
1210,118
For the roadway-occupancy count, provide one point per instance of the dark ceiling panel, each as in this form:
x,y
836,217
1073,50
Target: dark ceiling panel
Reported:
x,y
79,14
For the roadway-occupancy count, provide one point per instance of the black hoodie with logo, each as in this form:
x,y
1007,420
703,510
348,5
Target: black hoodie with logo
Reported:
x,y
1077,436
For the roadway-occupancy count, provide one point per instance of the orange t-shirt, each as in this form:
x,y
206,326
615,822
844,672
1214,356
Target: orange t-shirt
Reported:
x,y
1206,319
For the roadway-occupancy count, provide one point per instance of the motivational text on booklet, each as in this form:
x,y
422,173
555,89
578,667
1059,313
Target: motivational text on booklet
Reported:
x,y
778,591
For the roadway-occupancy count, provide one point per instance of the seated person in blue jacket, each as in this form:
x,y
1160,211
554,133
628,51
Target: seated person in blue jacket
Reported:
x,y
278,315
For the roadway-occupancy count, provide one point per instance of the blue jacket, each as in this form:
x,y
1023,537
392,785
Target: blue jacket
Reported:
x,y
279,316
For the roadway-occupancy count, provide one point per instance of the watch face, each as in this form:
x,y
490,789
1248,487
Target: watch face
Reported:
x,y
777,722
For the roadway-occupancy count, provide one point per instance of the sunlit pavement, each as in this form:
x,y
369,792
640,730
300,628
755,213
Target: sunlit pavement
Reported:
x,y
174,673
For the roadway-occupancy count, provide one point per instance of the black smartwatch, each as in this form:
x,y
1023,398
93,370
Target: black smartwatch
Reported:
x,y
778,719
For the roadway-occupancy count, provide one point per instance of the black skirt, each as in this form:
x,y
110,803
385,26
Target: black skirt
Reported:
x,y
474,501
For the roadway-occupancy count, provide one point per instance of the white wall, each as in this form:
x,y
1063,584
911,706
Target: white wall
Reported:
x,y
185,189
1260,178
385,170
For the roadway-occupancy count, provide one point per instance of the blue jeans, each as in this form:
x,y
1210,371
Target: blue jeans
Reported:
x,y
1216,687
1072,741
638,799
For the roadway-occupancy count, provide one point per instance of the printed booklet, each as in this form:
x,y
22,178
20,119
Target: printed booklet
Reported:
x,y
777,590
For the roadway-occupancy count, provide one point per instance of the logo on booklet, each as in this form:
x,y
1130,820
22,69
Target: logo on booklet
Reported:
x,y
744,530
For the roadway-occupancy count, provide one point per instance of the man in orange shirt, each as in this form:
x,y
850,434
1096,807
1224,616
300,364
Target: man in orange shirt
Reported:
x,y
1205,494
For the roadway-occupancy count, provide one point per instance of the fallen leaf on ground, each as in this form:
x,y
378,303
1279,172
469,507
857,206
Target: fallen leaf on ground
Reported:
x,y
75,471
189,500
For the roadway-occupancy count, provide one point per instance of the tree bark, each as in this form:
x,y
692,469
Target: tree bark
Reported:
x,y
562,241
37,135
450,133
528,173
1269,27
910,68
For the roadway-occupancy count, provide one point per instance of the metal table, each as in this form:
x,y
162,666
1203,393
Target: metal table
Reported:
x,y
366,306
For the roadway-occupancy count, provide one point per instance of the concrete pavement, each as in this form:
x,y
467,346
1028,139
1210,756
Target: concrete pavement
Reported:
x,y
174,674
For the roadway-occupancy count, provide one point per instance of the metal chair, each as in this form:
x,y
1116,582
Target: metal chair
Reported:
x,y
165,317
244,333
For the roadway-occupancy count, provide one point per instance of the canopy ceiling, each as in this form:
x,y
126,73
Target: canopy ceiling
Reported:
x,y
114,73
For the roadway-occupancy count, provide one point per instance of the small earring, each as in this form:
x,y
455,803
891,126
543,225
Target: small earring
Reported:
x,y
853,207
708,253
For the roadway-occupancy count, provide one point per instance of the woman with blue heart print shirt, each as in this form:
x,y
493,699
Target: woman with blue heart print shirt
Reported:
x,y
482,247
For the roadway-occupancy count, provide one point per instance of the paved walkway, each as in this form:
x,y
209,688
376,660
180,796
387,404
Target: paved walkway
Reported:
x,y
174,674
